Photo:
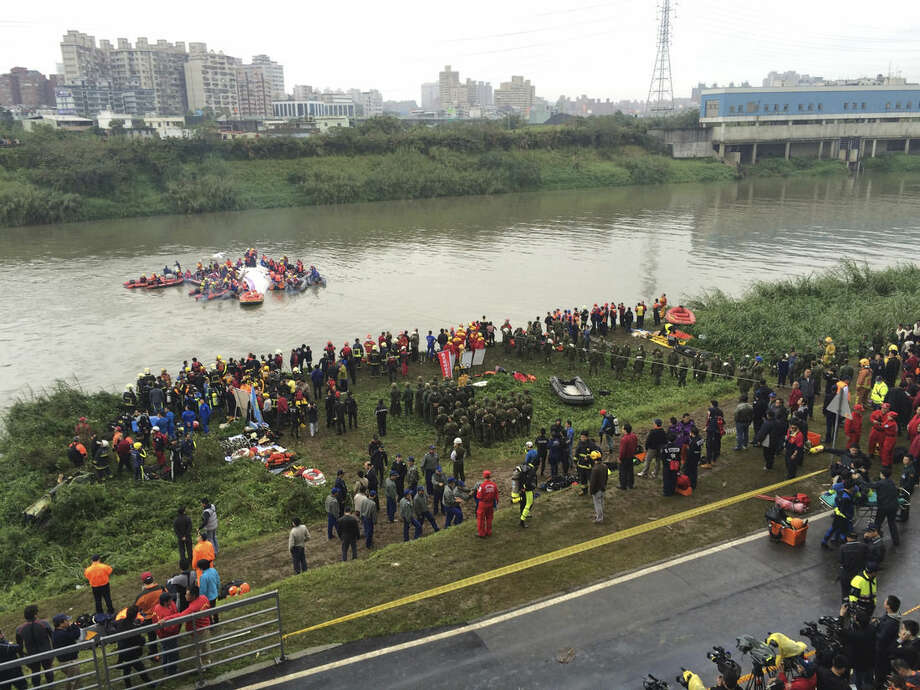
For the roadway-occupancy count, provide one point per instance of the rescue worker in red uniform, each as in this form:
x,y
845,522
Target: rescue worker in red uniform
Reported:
x,y
877,434
487,497
890,430
853,426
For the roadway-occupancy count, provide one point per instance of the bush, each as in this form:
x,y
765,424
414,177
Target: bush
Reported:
x,y
201,192
26,204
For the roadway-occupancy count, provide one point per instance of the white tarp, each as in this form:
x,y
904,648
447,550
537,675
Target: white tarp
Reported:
x,y
256,278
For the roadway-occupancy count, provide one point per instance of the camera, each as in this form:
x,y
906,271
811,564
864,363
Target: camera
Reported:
x,y
828,642
761,653
727,666
652,683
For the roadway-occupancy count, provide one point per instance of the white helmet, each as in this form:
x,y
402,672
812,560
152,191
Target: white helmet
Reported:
x,y
458,440
156,428
529,444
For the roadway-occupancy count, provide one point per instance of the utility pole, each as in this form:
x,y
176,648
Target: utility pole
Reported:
x,y
661,92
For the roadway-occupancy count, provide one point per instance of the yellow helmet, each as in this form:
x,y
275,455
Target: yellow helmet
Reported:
x,y
864,362
828,339
137,445
595,455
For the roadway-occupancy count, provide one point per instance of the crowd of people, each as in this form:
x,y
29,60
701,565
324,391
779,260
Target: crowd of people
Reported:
x,y
162,413
195,588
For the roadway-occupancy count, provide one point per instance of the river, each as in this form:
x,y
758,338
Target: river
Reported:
x,y
423,264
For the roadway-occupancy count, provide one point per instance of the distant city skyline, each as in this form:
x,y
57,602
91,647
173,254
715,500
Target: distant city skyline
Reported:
x,y
604,50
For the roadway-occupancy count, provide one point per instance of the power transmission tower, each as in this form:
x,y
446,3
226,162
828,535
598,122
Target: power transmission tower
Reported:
x,y
660,92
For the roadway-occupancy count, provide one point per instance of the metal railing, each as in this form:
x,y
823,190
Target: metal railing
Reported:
x,y
115,660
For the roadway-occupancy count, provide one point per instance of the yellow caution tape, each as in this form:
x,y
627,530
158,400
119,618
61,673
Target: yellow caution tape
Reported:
x,y
551,556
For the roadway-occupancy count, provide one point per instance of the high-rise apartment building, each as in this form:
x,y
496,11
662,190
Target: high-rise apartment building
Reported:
x,y
373,103
479,93
431,98
82,59
156,67
254,91
210,81
274,75
451,93
26,87
517,94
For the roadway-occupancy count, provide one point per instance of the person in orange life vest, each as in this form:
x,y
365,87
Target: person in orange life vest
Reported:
x,y
204,549
487,500
890,430
76,452
853,426
97,573
877,433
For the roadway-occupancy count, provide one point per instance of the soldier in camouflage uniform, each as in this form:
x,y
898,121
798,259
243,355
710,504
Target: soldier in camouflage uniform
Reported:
x,y
699,369
407,399
448,434
639,362
744,380
682,374
594,361
657,366
673,360
395,397
623,360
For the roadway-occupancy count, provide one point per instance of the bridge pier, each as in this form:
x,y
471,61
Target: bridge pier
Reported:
x,y
820,149
788,146
874,144
754,154
907,145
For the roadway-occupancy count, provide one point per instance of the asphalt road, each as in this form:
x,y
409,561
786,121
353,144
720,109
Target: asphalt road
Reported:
x,y
655,621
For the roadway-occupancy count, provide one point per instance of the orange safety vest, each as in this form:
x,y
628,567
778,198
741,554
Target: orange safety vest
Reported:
x,y
98,574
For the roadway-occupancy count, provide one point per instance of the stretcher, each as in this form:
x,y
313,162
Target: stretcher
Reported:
x,y
865,506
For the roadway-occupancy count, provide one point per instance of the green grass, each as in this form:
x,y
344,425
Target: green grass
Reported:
x,y
851,303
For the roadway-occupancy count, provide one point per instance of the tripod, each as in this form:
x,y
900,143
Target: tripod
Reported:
x,y
758,680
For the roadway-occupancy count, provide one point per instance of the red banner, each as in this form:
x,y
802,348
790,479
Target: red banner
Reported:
x,y
444,359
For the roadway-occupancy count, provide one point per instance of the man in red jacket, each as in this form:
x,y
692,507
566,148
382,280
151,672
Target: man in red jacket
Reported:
x,y
198,602
877,433
487,497
629,442
165,608
890,430
853,426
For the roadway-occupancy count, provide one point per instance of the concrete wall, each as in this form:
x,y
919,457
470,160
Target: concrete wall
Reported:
x,y
746,134
693,142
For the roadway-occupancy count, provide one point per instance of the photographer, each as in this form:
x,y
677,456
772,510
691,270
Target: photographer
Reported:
x,y
727,680
788,651
729,673
805,676
837,677
860,646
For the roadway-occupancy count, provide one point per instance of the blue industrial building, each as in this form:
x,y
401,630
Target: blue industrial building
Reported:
x,y
809,103
846,123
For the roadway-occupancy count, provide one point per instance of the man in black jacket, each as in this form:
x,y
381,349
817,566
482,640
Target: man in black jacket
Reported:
x,y
656,440
837,677
853,557
10,652
349,531
182,526
887,497
886,636
770,433
909,477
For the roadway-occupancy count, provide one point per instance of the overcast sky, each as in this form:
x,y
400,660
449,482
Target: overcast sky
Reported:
x,y
603,49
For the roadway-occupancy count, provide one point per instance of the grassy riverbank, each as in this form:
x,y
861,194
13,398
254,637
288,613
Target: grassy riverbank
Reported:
x,y
132,523
55,177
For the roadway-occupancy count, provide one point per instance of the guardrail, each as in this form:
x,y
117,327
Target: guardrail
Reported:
x,y
236,631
